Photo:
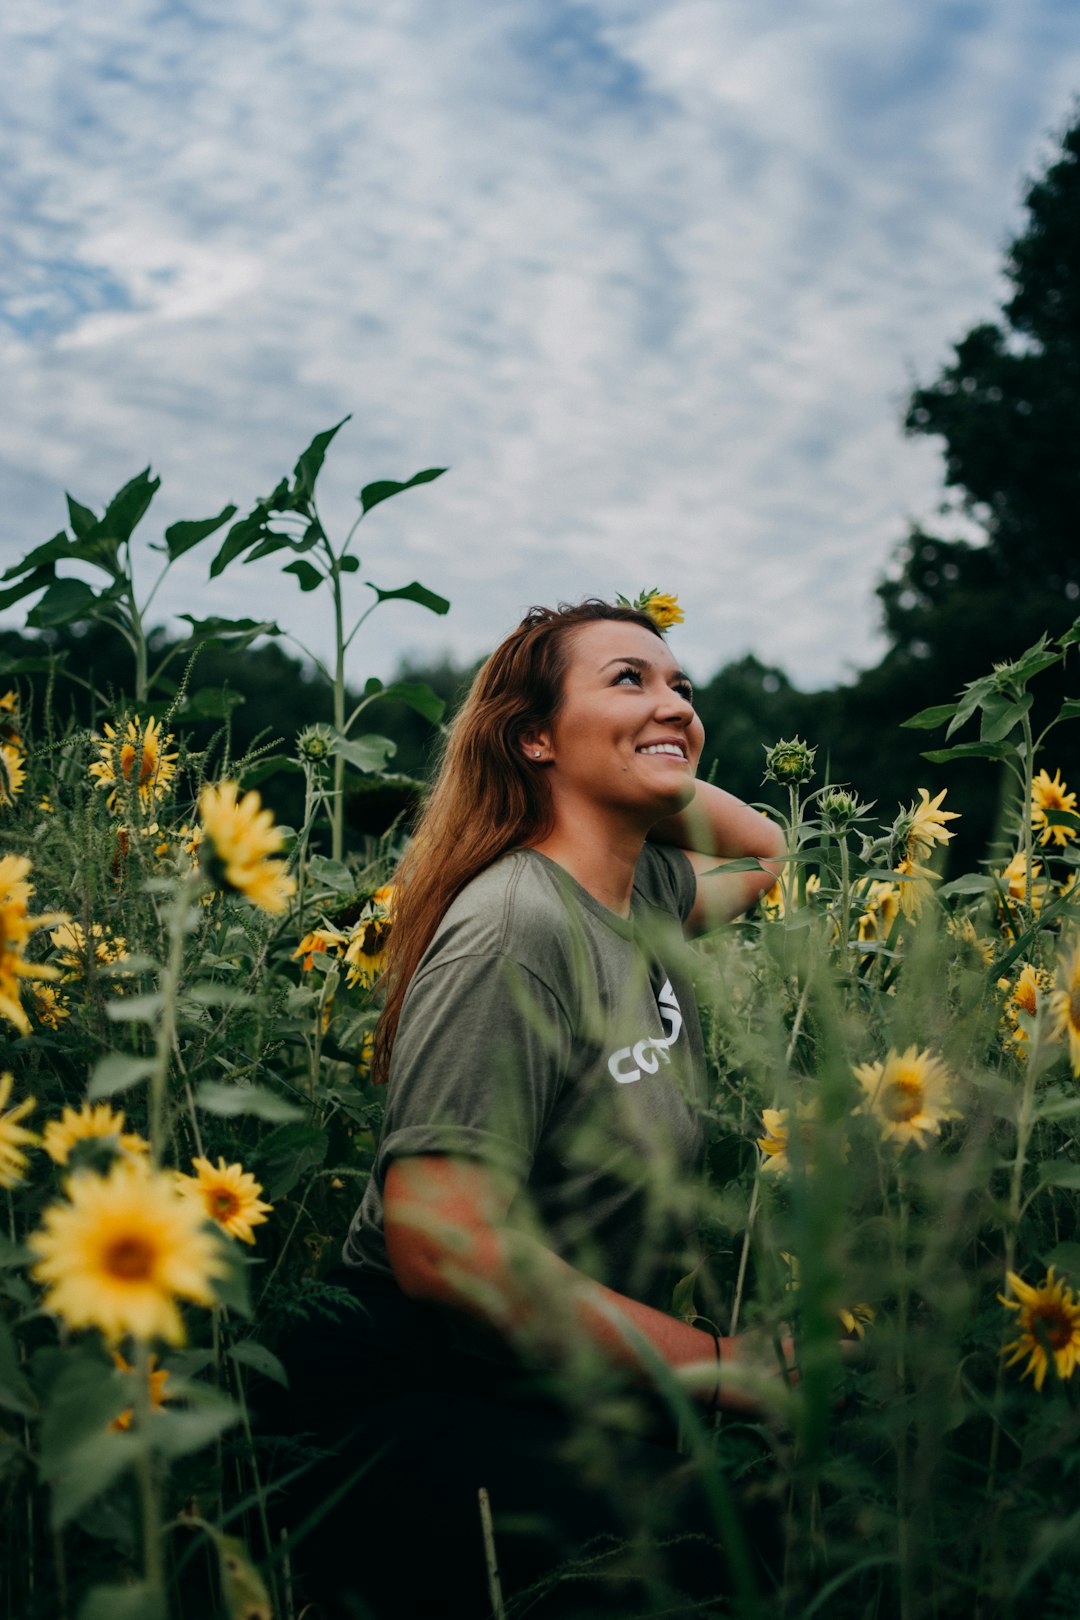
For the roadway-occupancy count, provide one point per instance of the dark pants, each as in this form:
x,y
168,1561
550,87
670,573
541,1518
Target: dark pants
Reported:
x,y
590,1517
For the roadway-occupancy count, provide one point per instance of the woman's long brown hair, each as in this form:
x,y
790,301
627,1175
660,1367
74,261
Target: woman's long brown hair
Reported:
x,y
486,798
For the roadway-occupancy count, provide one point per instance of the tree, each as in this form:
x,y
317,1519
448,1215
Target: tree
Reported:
x,y
1007,408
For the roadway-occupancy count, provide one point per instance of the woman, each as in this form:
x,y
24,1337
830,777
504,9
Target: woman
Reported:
x,y
531,1202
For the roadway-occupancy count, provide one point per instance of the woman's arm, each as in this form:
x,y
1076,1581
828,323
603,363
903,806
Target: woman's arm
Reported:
x,y
717,824
447,1240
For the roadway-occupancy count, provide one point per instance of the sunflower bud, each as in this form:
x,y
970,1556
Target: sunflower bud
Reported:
x,y
840,810
789,762
313,743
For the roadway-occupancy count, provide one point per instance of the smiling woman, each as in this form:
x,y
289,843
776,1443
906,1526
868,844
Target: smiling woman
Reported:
x,y
533,1197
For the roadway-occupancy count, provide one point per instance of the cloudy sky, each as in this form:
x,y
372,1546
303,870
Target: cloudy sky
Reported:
x,y
652,277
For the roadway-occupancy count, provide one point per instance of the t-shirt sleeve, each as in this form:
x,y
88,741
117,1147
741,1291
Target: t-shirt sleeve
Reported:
x,y
480,1055
666,878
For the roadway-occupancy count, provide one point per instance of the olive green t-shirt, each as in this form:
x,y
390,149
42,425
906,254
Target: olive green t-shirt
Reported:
x,y
559,1042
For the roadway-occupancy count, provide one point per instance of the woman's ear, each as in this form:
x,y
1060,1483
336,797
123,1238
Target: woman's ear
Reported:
x,y
536,746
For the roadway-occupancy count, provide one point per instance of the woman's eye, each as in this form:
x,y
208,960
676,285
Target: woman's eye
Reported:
x,y
684,689
628,674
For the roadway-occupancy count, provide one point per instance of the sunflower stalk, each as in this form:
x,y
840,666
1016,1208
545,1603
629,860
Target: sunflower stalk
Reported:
x,y
149,1495
169,989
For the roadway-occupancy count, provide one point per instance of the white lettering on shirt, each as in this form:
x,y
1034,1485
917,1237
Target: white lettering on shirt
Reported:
x,y
644,1057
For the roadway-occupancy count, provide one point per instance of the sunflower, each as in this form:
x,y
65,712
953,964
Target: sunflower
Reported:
x,y
137,757
882,903
365,952
13,1136
1032,986
239,839
908,1094
663,609
121,1250
12,775
16,926
1013,880
229,1194
74,948
963,930
84,1125
49,1007
1048,1319
9,718
1065,1003
321,941
1047,795
776,1142
927,826
158,1378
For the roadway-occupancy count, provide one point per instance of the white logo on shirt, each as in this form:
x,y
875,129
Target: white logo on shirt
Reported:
x,y
631,1062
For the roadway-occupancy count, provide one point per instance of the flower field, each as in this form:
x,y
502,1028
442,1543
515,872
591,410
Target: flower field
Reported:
x,y
187,995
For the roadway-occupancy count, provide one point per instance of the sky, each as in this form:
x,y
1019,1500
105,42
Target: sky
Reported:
x,y
653,279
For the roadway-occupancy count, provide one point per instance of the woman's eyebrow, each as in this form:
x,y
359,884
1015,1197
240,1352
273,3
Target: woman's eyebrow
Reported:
x,y
645,663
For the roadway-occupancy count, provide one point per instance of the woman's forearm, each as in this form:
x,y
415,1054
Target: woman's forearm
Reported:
x,y
446,1248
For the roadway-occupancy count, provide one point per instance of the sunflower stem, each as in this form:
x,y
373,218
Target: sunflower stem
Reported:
x,y
338,818
169,987
1027,824
153,1561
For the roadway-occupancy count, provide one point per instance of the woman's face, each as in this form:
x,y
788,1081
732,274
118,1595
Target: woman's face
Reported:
x,y
626,735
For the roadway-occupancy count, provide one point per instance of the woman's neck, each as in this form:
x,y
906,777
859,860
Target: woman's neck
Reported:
x,y
601,859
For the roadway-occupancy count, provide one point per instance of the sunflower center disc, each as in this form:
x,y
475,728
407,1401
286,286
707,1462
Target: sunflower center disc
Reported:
x,y
130,1258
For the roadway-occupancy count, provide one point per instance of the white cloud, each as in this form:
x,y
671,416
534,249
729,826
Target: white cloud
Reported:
x,y
651,277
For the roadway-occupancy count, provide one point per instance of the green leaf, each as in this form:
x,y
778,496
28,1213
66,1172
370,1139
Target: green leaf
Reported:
x,y
971,698
927,719
288,1154
309,466
1070,709
1059,1173
65,602
219,995
330,874
1000,716
125,511
83,521
249,1353
419,696
12,1254
413,593
217,1098
233,1286
90,1468
348,565
138,1601
1071,635
174,1433
1065,1257
211,703
180,537
135,1009
266,767
308,575
58,549
15,1393
971,883
84,1398
232,633
973,750
117,1071
239,538
26,587
364,753
372,494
